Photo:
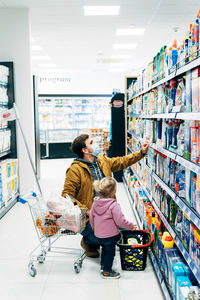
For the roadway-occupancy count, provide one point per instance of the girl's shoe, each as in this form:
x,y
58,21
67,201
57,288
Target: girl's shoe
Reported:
x,y
110,275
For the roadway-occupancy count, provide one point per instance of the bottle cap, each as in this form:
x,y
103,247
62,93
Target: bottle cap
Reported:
x,y
168,238
174,45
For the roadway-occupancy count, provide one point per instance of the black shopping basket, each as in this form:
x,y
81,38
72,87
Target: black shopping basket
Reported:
x,y
134,257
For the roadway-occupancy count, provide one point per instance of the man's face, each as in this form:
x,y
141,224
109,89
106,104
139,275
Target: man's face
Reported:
x,y
89,143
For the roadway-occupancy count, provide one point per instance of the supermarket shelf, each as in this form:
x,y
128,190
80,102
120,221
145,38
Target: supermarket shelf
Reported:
x,y
193,64
187,210
10,204
193,266
164,185
5,153
160,276
141,184
181,160
181,116
130,149
140,224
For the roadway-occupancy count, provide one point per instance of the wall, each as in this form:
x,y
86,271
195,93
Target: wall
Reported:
x,y
80,83
15,46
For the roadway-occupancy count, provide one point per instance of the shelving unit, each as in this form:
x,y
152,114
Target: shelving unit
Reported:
x,y
63,117
177,72
193,266
150,252
6,103
183,161
179,115
185,207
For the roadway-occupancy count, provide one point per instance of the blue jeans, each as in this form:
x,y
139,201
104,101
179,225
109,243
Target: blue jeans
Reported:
x,y
108,251
88,235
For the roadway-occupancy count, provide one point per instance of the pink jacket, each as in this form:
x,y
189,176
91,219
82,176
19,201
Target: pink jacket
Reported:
x,y
106,217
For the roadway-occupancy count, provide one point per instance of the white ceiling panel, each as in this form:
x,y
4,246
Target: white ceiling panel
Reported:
x,y
77,42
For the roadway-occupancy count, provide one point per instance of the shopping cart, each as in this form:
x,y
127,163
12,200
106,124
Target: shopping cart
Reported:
x,y
49,228
133,247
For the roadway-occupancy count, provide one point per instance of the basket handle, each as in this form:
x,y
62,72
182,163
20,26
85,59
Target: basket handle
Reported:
x,y
147,245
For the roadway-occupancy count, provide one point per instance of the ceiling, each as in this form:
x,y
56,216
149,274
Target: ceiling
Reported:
x,y
81,43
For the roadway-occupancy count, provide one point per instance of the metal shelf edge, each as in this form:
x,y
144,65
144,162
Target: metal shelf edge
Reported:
x,y
11,203
191,65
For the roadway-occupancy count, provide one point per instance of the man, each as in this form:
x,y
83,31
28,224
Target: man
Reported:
x,y
88,167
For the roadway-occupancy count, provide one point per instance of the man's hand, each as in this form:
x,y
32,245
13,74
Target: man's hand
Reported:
x,y
145,147
134,227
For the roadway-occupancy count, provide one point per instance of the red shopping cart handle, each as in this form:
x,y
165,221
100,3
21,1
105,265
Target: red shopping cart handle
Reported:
x,y
146,245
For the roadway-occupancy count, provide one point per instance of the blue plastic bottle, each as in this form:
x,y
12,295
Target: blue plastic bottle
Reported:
x,y
172,173
173,92
175,132
159,129
170,134
174,53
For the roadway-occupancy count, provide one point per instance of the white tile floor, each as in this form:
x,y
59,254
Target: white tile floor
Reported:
x,y
57,279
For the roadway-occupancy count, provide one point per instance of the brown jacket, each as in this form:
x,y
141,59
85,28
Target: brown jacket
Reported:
x,y
78,180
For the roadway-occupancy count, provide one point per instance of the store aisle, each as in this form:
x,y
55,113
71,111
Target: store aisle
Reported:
x,y
57,279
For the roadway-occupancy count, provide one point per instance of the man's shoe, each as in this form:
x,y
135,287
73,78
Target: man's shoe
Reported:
x,y
89,251
110,275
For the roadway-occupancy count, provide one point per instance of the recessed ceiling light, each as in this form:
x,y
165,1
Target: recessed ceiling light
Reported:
x,y
121,56
124,46
101,10
36,48
47,65
40,57
130,31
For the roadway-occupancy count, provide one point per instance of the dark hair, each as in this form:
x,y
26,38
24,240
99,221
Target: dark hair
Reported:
x,y
78,144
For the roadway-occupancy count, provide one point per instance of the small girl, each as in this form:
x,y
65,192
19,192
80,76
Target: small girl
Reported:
x,y
105,218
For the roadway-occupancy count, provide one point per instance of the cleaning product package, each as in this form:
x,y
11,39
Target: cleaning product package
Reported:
x,y
187,142
188,90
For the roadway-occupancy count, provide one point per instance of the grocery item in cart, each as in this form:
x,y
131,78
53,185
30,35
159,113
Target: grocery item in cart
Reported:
x,y
67,213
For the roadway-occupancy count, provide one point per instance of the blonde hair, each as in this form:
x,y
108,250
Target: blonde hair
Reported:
x,y
105,187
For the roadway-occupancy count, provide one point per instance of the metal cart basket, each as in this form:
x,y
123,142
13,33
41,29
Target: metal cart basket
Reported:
x,y
50,226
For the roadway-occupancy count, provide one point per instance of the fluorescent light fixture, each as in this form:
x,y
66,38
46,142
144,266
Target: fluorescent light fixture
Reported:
x,y
101,10
124,46
117,64
40,57
36,48
130,31
32,40
121,56
117,70
47,65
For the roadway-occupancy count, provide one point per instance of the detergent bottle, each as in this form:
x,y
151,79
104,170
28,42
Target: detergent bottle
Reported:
x,y
167,240
173,92
172,173
190,42
175,132
174,53
186,43
169,134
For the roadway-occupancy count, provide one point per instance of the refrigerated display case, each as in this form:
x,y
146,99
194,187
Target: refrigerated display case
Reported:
x,y
63,117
